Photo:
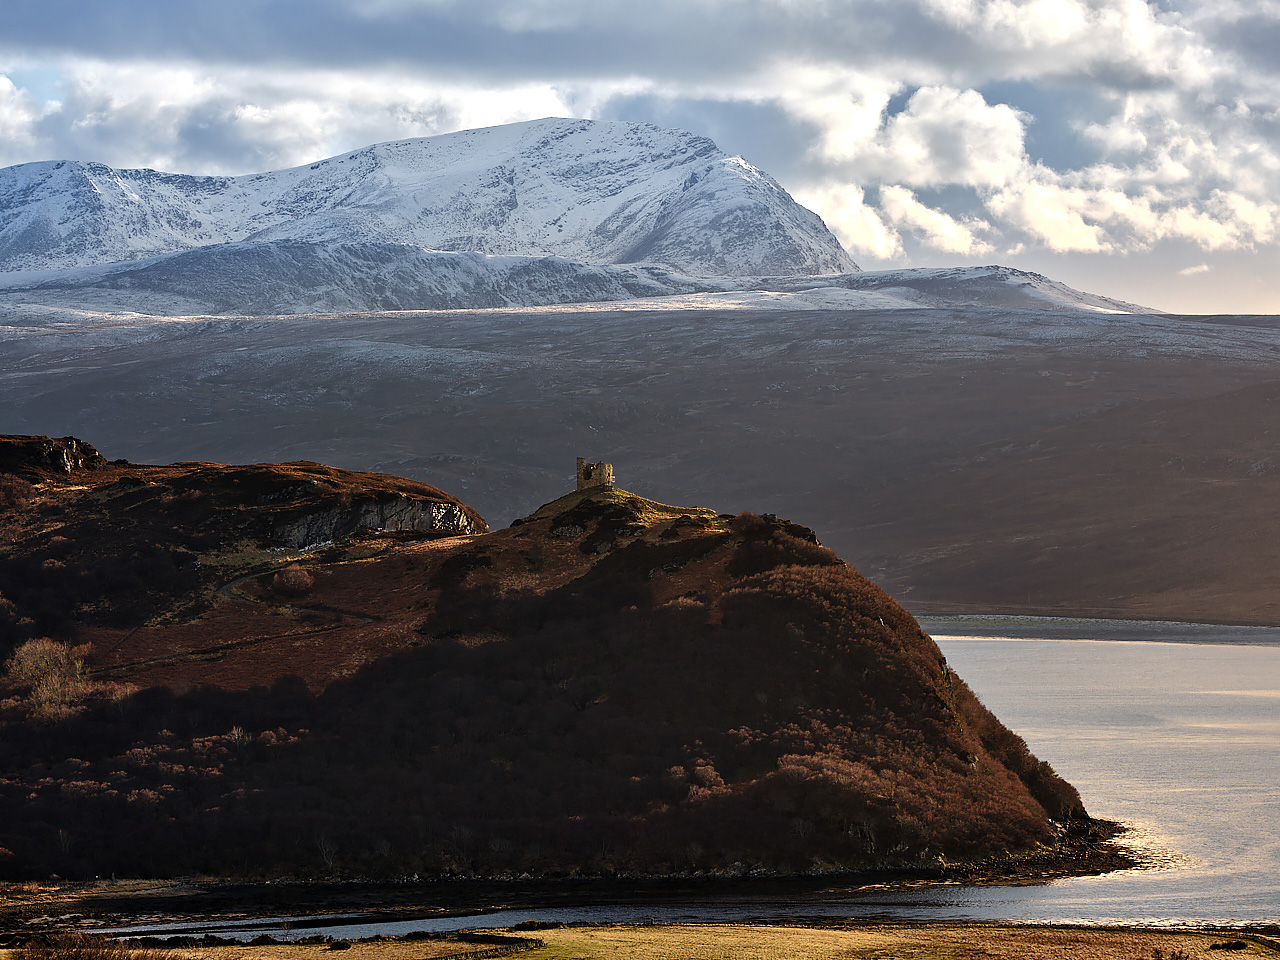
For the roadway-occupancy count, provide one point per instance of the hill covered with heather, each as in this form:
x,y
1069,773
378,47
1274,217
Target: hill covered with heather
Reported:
x,y
608,687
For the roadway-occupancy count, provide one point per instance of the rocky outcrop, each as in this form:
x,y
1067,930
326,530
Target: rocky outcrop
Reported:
x,y
396,513
32,457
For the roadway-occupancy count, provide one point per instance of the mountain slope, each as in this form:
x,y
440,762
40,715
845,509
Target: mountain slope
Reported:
x,y
989,288
297,277
992,287
609,686
593,191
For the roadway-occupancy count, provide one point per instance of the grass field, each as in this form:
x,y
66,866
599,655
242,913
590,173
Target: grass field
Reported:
x,y
715,942
751,942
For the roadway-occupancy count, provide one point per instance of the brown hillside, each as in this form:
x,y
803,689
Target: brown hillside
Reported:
x,y
97,550
611,686
979,460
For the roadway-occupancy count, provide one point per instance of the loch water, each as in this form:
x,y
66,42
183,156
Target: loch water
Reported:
x,y
1179,740
1174,730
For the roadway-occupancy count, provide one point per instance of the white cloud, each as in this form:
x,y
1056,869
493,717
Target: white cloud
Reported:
x,y
1079,213
186,119
1051,215
1192,271
18,115
1205,231
1112,39
1118,134
854,223
1256,222
935,228
942,135
952,136
1024,25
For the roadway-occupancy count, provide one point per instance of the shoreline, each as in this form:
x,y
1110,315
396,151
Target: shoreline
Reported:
x,y
1044,626
171,906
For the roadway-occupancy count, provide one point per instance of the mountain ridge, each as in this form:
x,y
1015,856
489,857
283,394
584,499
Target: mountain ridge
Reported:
x,y
539,213
594,191
299,278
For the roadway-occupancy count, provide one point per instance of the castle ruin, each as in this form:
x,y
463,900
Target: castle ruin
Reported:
x,y
594,474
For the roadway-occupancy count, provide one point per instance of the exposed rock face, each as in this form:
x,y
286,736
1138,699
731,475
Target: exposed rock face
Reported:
x,y
27,456
112,544
396,514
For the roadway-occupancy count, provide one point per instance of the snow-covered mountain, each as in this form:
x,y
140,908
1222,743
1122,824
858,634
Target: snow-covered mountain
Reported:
x,y
602,193
991,289
294,276
544,213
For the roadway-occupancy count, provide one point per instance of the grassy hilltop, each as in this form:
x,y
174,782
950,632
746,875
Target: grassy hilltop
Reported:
x,y
609,687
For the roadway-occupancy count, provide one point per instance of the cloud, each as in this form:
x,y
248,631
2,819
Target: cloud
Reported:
x,y
858,226
1254,222
1069,127
1192,271
1081,213
1050,215
1128,43
952,136
179,118
935,228
19,113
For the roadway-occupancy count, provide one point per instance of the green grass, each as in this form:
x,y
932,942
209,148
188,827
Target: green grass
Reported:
x,y
651,511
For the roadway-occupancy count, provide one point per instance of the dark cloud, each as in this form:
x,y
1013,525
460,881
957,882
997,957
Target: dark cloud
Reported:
x,y
1255,39
329,34
670,38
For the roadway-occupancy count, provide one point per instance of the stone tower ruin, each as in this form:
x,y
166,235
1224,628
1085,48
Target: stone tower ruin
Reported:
x,y
594,474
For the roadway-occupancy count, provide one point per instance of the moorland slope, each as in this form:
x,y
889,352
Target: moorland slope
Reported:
x,y
609,686
1072,464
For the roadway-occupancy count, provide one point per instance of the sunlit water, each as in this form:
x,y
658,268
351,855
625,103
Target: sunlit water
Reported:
x,y
1179,740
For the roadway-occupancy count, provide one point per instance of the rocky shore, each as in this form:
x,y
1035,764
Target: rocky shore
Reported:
x,y
27,909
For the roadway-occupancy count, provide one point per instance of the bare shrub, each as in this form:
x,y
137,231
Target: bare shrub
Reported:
x,y
52,671
119,694
82,946
293,581
14,492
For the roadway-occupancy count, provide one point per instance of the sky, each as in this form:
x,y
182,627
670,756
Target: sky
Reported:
x,y
1124,147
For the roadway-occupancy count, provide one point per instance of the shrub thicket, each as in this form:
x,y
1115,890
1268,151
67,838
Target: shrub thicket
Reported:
x,y
14,492
51,672
83,946
294,580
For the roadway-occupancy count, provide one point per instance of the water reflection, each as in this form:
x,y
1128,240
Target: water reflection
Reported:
x,y
1182,740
